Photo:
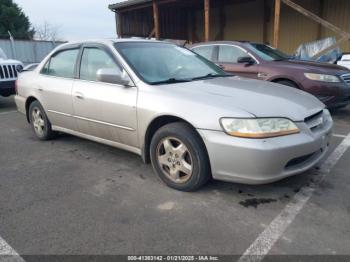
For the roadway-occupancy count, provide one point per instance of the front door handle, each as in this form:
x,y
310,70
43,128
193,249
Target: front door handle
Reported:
x,y
79,95
262,75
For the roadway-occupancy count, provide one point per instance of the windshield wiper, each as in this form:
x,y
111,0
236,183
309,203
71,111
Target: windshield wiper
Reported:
x,y
171,81
210,75
283,58
182,80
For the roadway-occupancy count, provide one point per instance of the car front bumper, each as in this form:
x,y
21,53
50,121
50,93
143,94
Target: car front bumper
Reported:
x,y
260,161
333,95
20,103
7,88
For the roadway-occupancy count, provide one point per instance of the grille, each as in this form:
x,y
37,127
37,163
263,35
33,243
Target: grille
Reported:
x,y
314,121
8,72
346,78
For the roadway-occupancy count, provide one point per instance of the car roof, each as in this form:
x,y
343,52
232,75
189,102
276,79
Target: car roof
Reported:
x,y
236,42
110,41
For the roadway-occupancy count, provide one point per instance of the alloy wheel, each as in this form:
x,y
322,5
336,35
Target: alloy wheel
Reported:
x,y
175,159
38,121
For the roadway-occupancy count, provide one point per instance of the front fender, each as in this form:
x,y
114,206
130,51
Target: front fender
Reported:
x,y
286,77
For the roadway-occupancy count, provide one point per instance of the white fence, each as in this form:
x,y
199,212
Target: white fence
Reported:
x,y
27,51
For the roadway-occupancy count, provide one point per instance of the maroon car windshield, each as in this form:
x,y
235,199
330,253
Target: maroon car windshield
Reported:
x,y
268,53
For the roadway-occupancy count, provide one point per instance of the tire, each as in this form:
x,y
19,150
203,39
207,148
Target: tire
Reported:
x,y
39,122
287,83
179,157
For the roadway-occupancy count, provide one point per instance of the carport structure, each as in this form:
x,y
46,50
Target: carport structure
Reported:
x,y
271,21
173,19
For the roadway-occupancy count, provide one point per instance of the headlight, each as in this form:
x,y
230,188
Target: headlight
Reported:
x,y
321,77
19,68
258,127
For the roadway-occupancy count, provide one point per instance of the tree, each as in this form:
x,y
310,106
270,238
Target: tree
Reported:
x,y
13,19
47,32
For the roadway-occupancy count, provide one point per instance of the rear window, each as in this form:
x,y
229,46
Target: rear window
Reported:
x,y
205,51
230,54
62,64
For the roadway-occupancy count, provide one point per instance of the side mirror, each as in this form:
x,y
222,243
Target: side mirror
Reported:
x,y
221,66
246,60
112,76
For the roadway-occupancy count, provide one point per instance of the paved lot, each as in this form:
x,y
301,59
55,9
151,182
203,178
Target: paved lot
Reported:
x,y
72,196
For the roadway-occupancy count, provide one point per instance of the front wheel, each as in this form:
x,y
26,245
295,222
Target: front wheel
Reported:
x,y
287,83
39,122
179,157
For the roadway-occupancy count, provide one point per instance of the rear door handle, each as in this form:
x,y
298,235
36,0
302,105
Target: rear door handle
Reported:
x,y
79,95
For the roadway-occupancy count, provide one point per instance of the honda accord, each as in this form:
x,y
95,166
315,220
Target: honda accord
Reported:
x,y
177,110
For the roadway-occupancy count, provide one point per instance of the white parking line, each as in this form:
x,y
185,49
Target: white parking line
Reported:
x,y
7,253
8,112
266,240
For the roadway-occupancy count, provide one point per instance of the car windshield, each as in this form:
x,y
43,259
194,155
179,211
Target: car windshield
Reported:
x,y
160,63
268,53
2,54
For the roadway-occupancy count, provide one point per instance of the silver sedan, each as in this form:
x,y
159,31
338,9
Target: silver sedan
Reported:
x,y
177,110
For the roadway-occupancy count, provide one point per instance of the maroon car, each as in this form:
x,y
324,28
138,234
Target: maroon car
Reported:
x,y
330,83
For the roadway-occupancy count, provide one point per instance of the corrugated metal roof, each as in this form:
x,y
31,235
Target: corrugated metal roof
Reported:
x,y
127,3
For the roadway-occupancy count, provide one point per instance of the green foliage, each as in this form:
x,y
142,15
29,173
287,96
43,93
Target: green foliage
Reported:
x,y
13,19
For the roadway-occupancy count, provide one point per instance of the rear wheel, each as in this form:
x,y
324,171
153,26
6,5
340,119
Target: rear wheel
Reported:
x,y
287,83
179,157
39,122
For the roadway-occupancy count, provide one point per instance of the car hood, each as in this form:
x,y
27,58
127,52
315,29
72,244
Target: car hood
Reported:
x,y
258,98
312,67
9,61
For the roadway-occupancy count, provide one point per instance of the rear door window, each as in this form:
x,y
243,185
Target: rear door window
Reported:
x,y
230,54
205,51
62,64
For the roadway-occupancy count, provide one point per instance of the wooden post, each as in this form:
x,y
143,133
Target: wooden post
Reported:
x,y
206,20
276,28
156,19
